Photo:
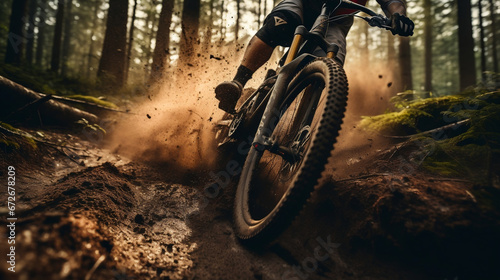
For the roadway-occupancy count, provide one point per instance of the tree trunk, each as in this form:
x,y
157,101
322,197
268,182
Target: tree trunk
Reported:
x,y
237,25
467,62
66,51
16,39
259,13
208,36
130,40
112,63
91,46
56,43
161,50
151,17
494,36
428,45
482,41
190,26
30,32
222,23
50,112
146,51
405,64
40,42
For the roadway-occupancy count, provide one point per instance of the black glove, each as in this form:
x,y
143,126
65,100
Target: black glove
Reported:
x,y
401,25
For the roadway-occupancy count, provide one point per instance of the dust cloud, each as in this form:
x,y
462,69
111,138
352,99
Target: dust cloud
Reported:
x,y
370,89
175,124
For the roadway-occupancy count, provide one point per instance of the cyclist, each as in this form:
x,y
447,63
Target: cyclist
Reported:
x,y
279,27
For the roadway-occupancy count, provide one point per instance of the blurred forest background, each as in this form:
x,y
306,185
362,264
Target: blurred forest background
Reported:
x,y
76,46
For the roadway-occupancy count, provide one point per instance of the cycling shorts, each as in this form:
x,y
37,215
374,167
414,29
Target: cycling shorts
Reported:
x,y
279,26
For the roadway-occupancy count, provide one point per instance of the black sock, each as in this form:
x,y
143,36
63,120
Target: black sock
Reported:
x,y
243,75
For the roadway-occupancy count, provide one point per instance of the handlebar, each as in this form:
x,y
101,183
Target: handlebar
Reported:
x,y
316,36
355,6
379,21
376,20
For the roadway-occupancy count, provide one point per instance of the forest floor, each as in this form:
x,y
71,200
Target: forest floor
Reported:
x,y
373,216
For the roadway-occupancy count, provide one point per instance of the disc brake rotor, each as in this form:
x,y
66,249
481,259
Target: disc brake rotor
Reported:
x,y
297,145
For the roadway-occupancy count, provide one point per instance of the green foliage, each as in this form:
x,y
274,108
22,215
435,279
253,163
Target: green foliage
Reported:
x,y
32,78
8,143
7,126
405,121
93,127
425,114
470,161
49,83
94,100
466,151
16,139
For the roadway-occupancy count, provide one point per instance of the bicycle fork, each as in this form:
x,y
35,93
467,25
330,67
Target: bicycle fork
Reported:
x,y
313,38
272,114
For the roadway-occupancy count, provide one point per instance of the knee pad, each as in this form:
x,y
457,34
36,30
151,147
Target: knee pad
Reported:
x,y
278,28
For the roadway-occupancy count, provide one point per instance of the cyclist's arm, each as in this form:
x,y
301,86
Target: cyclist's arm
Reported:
x,y
391,7
396,11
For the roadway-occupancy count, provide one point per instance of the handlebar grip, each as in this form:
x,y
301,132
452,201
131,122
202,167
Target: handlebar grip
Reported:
x,y
380,21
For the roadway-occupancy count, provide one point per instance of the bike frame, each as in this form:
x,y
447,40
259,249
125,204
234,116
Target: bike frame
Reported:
x,y
299,55
265,114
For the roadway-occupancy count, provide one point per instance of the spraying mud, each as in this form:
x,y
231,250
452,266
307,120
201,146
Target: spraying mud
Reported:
x,y
174,126
148,217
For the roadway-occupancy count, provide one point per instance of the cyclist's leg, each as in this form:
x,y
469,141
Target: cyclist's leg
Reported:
x,y
256,54
337,33
278,29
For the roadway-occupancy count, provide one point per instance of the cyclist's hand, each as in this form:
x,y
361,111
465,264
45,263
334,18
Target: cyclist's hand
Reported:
x,y
401,25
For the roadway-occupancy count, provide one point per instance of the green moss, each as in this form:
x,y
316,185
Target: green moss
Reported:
x,y
93,127
94,100
8,143
46,89
16,141
470,161
443,168
7,126
465,152
4,28
405,121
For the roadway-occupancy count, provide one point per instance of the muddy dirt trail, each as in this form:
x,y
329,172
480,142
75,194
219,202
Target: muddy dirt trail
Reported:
x,y
106,217
145,207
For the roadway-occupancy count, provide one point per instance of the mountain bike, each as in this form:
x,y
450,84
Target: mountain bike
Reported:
x,y
291,121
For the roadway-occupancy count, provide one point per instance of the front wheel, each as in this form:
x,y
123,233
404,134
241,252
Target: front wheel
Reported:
x,y
276,182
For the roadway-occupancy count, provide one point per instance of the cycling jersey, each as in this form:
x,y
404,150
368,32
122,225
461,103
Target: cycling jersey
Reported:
x,y
312,5
296,6
349,11
280,24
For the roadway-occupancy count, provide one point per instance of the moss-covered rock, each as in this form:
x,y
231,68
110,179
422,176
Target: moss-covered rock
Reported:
x,y
466,152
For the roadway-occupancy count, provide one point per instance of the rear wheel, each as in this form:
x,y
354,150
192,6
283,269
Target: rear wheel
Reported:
x,y
275,183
